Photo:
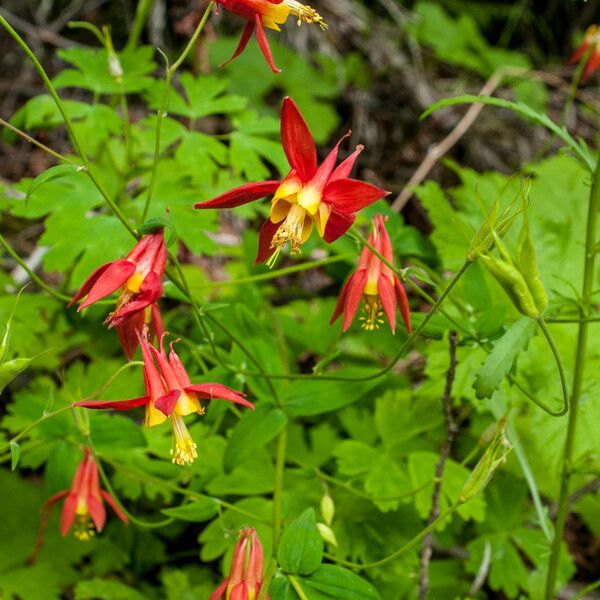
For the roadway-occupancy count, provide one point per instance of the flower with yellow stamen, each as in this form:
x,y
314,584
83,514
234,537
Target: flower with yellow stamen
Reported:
x,y
270,14
324,195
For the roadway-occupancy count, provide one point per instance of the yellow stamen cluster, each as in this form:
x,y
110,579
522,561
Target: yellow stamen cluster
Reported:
x,y
291,230
184,448
373,311
305,13
84,528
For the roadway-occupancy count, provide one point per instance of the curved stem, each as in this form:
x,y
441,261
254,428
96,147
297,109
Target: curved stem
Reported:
x,y
170,70
561,369
410,544
33,425
578,373
31,272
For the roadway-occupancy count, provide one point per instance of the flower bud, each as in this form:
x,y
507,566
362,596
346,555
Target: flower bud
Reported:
x,y
493,457
327,534
327,508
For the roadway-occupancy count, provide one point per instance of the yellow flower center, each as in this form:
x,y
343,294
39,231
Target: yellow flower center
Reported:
x,y
134,282
292,229
373,312
183,451
305,13
83,527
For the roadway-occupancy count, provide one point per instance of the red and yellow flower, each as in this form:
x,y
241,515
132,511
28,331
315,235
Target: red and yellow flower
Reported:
x,y
270,14
130,328
171,395
246,572
322,195
591,39
84,509
138,276
376,285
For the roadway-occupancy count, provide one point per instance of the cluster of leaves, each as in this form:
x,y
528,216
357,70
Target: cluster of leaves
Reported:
x,y
372,446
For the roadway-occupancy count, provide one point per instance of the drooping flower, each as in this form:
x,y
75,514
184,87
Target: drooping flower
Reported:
x,y
591,39
171,395
84,509
376,284
270,14
138,275
322,195
130,328
246,572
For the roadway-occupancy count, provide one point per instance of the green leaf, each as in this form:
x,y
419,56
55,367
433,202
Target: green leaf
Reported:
x,y
50,174
105,589
314,397
331,582
500,360
301,547
10,369
197,511
254,430
15,454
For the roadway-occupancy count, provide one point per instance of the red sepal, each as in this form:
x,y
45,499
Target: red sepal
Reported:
x,y
351,195
211,391
88,283
220,591
263,44
111,502
356,288
150,291
241,195
265,237
115,404
109,281
339,307
244,39
385,288
337,225
592,64
403,303
166,404
297,141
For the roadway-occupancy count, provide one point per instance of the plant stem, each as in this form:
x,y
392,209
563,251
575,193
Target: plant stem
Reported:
x,y
297,588
579,370
279,471
141,16
170,71
33,425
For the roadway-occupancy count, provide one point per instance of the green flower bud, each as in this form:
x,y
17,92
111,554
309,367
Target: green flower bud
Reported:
x,y
327,534
528,266
327,508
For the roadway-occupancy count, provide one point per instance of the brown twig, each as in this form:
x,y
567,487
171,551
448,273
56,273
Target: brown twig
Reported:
x,y
451,431
437,151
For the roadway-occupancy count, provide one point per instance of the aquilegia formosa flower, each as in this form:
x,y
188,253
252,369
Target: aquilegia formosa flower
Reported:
x,y
271,14
132,326
246,572
83,508
376,284
170,394
590,39
138,275
322,195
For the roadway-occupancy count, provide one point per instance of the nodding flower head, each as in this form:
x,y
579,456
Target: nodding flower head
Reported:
x,y
373,282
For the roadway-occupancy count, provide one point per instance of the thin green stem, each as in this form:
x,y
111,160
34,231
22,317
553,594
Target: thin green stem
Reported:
x,y
408,546
584,592
279,471
33,141
578,373
141,16
170,71
297,588
560,366
573,320
33,425
31,273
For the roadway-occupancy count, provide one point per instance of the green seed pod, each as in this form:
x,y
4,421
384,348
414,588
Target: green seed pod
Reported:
x,y
514,284
327,508
327,534
527,264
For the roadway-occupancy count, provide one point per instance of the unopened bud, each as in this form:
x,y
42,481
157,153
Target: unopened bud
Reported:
x,y
327,508
114,67
327,534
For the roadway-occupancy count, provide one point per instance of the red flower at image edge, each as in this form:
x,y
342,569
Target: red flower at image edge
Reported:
x,y
246,572
376,284
271,14
590,39
324,196
83,508
138,275
171,395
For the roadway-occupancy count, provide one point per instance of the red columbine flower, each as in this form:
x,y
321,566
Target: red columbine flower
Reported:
x,y
376,284
246,572
83,507
271,14
170,394
591,38
139,275
322,195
